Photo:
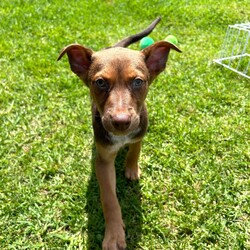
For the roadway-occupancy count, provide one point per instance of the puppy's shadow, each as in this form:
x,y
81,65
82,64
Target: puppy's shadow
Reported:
x,y
129,196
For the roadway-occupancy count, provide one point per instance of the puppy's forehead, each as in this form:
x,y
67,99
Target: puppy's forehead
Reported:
x,y
119,59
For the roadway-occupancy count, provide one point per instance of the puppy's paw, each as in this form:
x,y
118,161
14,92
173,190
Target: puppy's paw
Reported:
x,y
114,239
133,173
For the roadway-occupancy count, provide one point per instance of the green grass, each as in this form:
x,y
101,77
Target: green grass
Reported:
x,y
194,192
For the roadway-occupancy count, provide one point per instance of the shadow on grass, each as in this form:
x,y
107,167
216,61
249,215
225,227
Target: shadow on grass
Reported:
x,y
129,195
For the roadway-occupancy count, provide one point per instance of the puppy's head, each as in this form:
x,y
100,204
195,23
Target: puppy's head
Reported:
x,y
118,79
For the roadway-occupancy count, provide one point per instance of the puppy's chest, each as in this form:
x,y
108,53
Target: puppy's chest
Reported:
x,y
120,141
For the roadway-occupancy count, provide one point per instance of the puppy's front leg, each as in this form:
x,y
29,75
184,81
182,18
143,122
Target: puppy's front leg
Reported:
x,y
114,238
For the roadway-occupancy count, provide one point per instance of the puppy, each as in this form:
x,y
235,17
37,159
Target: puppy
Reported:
x,y
118,79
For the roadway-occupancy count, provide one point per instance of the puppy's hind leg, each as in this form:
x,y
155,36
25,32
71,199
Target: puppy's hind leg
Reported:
x,y
132,169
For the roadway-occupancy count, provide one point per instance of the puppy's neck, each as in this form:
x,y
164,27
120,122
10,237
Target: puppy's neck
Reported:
x,y
117,139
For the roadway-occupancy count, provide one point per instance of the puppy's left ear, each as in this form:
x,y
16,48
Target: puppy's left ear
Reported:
x,y
156,57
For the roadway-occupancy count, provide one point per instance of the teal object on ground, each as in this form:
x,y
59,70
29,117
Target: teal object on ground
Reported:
x,y
145,42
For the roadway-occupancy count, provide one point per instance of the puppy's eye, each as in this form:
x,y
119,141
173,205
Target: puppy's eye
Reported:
x,y
137,82
101,83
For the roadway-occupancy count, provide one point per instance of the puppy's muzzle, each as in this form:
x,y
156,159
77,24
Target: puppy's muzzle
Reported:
x,y
121,122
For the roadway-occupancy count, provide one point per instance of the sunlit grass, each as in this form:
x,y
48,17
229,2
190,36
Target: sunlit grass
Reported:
x,y
194,190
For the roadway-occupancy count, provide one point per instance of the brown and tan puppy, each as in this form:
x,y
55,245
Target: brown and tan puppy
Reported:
x,y
118,79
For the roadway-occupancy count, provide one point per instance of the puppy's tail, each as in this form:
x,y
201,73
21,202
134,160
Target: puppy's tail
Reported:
x,y
134,38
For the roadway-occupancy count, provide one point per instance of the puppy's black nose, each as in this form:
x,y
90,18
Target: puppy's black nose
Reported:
x,y
121,121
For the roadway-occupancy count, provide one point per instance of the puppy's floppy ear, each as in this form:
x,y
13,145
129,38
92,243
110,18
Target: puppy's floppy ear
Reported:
x,y
79,59
156,57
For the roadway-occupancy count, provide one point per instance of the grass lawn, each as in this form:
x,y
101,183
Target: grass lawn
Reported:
x,y
195,190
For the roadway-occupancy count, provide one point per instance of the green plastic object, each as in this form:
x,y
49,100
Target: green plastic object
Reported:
x,y
171,39
145,42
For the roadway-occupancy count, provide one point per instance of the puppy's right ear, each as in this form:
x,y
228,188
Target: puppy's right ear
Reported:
x,y
79,59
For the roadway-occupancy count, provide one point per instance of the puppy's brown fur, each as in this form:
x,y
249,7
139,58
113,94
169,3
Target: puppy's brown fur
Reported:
x,y
118,79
